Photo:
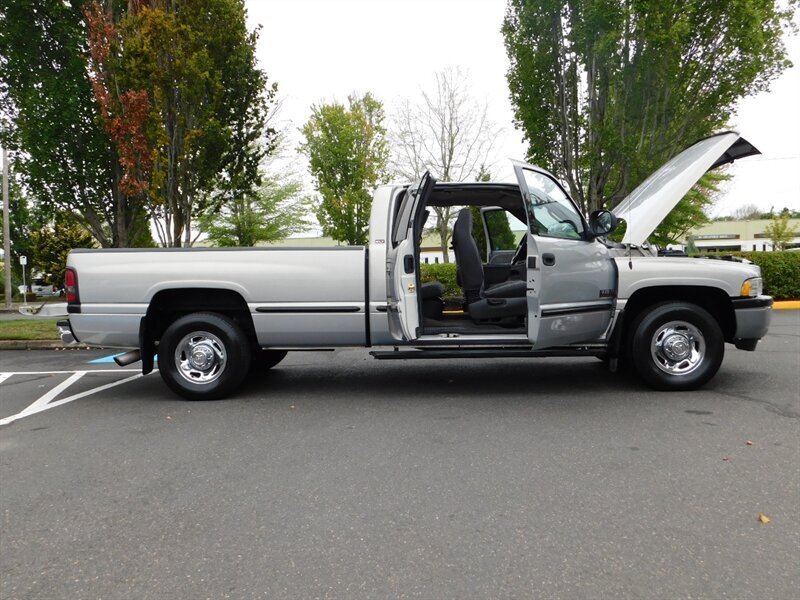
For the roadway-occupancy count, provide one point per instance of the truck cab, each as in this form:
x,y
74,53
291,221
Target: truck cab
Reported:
x,y
555,286
563,288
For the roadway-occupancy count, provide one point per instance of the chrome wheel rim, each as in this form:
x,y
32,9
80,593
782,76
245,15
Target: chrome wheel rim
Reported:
x,y
200,357
678,348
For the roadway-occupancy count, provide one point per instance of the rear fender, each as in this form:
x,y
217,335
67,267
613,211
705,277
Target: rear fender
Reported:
x,y
168,305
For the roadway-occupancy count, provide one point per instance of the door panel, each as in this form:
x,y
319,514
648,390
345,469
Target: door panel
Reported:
x,y
571,278
575,295
402,259
406,304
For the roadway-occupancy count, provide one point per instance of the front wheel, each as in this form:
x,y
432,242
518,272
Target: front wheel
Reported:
x,y
203,356
676,346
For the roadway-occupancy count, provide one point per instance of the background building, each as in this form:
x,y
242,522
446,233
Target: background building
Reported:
x,y
737,235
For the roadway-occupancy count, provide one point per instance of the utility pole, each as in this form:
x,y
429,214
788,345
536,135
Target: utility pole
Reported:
x,y
6,233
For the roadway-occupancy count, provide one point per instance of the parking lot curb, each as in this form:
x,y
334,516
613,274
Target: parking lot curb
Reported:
x,y
38,345
15,308
786,305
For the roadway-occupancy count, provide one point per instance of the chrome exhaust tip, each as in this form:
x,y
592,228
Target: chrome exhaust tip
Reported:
x,y
65,332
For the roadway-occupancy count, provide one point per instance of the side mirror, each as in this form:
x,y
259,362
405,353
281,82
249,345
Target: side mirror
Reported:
x,y
602,222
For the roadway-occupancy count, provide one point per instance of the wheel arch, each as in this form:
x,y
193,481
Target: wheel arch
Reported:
x,y
170,304
714,300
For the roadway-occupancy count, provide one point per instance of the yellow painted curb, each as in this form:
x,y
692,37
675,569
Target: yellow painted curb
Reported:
x,y
786,305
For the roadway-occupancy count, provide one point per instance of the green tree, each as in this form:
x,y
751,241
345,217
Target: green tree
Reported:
x,y
690,212
21,221
503,237
123,111
606,91
497,221
781,232
347,151
49,114
478,234
207,105
50,246
273,213
691,247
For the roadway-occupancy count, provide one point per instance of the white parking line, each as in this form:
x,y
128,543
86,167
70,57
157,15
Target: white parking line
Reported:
x,y
6,374
36,406
46,402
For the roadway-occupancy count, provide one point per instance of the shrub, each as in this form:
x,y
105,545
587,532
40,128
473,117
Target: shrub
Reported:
x,y
444,273
780,270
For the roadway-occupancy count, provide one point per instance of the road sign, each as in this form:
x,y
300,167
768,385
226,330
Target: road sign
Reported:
x,y
23,260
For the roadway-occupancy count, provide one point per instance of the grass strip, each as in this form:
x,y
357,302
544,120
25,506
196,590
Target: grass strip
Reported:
x,y
29,329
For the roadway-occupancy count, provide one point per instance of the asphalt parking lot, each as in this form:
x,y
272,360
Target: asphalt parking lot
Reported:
x,y
337,476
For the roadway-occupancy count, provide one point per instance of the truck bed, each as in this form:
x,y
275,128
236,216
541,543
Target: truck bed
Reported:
x,y
297,296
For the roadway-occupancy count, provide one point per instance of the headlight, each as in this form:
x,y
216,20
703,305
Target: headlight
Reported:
x,y
752,287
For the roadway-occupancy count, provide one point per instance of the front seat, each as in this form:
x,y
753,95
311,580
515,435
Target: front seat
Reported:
x,y
502,301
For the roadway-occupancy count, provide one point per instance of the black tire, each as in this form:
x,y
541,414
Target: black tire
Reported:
x,y
263,360
218,364
676,346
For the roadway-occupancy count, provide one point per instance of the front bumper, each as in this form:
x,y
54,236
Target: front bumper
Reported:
x,y
753,316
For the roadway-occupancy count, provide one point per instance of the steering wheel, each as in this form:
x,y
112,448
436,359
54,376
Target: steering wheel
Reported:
x,y
569,225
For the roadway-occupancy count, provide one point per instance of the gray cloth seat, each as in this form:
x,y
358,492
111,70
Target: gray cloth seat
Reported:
x,y
431,292
513,288
431,289
432,303
503,301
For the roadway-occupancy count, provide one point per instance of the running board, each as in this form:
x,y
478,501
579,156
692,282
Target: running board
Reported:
x,y
498,352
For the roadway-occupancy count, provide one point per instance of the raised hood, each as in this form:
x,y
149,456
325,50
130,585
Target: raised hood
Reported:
x,y
649,204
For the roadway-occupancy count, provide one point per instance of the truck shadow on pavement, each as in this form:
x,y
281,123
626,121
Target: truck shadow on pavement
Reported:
x,y
349,380
427,379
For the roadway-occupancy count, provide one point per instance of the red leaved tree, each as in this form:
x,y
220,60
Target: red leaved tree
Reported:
x,y
124,112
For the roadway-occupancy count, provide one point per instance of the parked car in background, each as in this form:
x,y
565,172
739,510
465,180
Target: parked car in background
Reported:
x,y
40,288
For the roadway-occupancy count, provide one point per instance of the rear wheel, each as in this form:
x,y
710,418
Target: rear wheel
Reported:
x,y
676,346
203,356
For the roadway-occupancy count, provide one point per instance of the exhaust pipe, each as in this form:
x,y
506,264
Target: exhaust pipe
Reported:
x,y
123,360
65,332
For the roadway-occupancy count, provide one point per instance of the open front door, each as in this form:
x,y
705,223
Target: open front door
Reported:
x,y
571,278
402,260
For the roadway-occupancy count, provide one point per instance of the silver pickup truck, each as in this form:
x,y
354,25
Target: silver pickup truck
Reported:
x,y
559,288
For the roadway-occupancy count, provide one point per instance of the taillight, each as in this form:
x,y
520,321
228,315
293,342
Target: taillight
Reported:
x,y
71,285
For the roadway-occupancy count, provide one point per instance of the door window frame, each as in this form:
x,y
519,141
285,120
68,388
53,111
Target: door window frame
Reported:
x,y
408,208
526,196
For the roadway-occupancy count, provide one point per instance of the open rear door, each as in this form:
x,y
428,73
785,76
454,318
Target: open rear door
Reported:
x,y
401,263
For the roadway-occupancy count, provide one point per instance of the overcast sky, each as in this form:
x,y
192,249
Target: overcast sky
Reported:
x,y
323,50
